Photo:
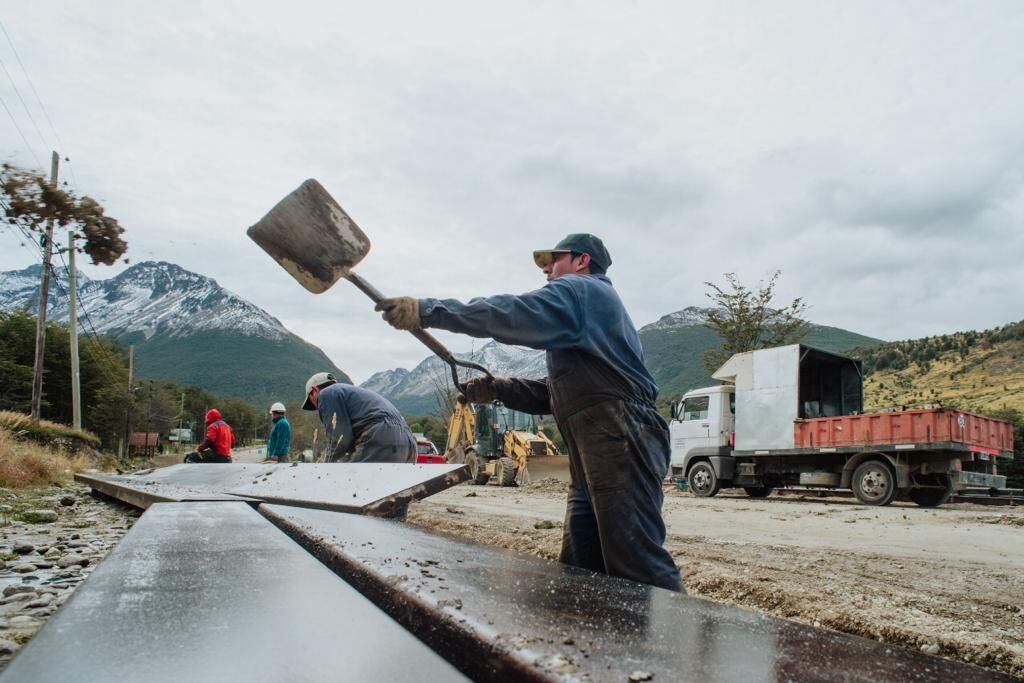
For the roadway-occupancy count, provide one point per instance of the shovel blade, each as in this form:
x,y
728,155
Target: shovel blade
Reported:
x,y
311,237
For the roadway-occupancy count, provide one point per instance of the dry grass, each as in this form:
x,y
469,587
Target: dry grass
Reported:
x,y
25,464
46,432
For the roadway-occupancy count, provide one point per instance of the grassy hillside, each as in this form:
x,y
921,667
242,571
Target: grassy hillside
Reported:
x,y
674,355
255,369
979,371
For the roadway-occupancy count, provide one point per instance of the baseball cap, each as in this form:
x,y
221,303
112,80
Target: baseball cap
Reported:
x,y
580,242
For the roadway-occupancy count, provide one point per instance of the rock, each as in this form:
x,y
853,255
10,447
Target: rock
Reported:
x,y
5,509
930,648
25,568
641,676
22,621
52,553
68,501
544,524
71,561
8,647
39,516
43,600
23,548
4,625
18,597
18,588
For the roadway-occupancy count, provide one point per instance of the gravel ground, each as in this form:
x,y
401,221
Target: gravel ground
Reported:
x,y
945,581
43,561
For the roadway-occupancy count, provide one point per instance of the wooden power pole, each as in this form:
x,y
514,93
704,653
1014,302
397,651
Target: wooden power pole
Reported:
x,y
44,292
76,389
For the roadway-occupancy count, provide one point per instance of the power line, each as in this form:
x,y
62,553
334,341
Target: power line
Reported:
x,y
31,84
23,138
22,100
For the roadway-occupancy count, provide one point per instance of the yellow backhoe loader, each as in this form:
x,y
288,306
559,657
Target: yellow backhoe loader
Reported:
x,y
500,443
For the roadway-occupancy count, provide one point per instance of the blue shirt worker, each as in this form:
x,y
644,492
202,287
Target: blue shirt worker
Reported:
x,y
359,425
280,435
601,395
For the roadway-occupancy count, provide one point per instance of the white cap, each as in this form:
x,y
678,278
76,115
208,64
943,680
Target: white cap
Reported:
x,y
277,407
320,379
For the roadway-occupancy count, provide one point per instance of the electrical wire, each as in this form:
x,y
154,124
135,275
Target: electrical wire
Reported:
x,y
23,138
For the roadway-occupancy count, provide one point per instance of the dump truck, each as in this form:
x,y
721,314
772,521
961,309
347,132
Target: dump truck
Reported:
x,y
497,443
793,416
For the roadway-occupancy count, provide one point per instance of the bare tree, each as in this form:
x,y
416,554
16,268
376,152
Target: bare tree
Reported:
x,y
746,320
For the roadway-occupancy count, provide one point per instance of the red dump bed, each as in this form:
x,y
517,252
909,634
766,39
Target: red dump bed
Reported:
x,y
936,425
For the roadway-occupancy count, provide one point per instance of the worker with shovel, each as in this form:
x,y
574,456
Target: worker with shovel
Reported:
x,y
598,390
359,425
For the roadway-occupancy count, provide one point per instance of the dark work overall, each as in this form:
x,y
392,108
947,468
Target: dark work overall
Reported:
x,y
385,440
618,456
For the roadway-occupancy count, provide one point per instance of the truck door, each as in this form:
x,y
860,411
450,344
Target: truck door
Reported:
x,y
691,428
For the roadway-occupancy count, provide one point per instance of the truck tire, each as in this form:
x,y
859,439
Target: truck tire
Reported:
x,y
874,483
506,472
758,491
933,497
702,480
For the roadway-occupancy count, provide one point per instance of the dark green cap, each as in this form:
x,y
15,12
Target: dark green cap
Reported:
x,y
580,242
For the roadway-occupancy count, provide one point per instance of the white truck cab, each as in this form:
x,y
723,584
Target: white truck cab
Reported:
x,y
703,423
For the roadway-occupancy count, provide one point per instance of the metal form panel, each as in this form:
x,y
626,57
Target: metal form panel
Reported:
x,y
213,592
908,426
765,412
499,615
367,488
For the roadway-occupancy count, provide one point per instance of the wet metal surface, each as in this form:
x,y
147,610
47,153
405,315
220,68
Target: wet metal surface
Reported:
x,y
378,489
499,615
213,592
142,494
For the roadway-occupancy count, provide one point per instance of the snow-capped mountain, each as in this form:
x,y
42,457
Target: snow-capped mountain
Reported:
x,y
184,326
147,298
688,317
415,391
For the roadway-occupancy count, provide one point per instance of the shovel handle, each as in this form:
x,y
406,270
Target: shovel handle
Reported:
x,y
428,339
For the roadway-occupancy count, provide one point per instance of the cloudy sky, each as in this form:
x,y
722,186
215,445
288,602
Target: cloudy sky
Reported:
x,y
871,151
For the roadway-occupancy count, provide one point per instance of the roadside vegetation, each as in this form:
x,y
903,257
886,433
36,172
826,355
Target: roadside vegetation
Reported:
x,y
26,463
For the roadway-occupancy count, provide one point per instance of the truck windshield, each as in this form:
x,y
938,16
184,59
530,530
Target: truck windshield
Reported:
x,y
696,408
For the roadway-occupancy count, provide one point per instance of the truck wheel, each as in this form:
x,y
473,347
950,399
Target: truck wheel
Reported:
x,y
758,491
933,497
874,483
702,480
505,472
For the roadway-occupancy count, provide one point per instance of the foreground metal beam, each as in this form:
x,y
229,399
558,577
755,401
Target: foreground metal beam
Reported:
x,y
213,592
499,615
142,494
383,490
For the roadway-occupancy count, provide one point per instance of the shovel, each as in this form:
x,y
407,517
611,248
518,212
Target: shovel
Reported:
x,y
311,236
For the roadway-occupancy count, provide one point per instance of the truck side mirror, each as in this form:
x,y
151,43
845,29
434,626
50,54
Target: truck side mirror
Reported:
x,y
675,410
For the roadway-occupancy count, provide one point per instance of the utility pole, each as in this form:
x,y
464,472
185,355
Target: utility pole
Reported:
x,y
76,389
128,405
44,292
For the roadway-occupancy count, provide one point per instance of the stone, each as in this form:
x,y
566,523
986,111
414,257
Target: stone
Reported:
x,y
68,501
71,561
18,597
39,516
18,588
25,568
43,600
23,548
544,524
5,509
52,552
8,647
23,621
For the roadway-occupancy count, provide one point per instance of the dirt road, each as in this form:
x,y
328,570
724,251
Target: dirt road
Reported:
x,y
948,581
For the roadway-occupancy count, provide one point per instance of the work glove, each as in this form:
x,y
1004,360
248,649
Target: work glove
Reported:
x,y
483,389
402,313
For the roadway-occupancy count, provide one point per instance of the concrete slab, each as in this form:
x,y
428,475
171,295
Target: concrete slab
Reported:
x,y
499,615
142,494
213,592
377,489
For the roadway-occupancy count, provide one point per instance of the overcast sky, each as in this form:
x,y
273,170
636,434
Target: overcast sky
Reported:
x,y
871,151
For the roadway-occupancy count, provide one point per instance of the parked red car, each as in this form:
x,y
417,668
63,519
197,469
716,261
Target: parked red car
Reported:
x,y
426,453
